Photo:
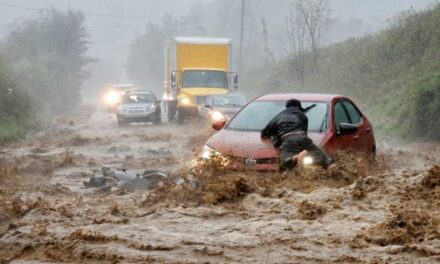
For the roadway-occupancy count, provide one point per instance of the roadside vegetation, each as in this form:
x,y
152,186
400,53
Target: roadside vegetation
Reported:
x,y
41,70
15,111
394,74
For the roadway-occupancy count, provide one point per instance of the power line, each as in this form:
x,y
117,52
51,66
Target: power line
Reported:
x,y
85,14
99,14
20,7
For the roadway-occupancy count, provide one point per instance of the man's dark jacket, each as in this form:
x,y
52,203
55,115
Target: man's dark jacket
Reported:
x,y
289,120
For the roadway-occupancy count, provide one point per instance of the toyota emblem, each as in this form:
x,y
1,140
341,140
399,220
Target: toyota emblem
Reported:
x,y
250,162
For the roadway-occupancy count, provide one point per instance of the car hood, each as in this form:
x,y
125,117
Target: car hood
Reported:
x,y
136,105
248,144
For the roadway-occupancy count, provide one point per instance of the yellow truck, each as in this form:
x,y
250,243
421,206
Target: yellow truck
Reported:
x,y
195,68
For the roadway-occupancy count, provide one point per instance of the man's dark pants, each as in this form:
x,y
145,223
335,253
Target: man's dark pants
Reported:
x,y
295,144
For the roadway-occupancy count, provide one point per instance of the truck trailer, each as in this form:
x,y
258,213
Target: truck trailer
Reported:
x,y
195,68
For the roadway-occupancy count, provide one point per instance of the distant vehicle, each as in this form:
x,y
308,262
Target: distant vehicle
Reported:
x,y
335,124
194,69
222,107
139,106
114,95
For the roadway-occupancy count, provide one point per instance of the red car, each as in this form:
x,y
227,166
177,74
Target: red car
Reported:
x,y
335,124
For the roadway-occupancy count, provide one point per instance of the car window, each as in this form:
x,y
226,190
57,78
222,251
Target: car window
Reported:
x,y
139,98
317,116
256,115
354,114
340,114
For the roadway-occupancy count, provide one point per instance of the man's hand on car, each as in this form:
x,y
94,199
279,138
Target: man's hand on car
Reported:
x,y
266,140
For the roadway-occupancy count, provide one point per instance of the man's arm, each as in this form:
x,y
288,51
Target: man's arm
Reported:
x,y
268,131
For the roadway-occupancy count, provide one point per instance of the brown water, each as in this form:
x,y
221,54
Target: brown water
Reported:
x,y
388,213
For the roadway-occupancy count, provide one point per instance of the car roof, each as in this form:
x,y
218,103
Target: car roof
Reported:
x,y
300,96
140,92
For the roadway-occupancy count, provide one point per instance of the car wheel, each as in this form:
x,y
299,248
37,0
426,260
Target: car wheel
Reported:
x,y
180,117
372,156
122,122
157,120
171,111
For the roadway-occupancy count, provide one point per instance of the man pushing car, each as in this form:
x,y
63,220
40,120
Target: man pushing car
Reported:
x,y
287,132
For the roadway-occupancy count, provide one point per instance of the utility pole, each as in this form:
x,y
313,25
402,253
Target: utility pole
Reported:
x,y
241,37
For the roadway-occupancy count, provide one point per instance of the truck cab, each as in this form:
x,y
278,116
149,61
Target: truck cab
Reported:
x,y
195,69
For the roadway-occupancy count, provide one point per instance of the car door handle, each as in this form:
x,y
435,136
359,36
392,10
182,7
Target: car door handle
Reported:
x,y
368,130
356,137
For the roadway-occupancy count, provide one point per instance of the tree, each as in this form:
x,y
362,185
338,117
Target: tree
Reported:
x,y
47,56
306,21
16,113
316,17
145,64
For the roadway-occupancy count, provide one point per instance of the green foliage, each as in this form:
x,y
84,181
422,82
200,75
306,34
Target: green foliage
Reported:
x,y
392,74
41,61
15,111
46,56
427,107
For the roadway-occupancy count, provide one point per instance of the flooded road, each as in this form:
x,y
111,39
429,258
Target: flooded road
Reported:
x,y
359,214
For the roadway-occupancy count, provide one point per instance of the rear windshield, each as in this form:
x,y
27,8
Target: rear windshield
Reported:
x,y
256,115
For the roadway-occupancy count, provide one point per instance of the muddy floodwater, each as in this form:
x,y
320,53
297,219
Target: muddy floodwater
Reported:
x,y
385,213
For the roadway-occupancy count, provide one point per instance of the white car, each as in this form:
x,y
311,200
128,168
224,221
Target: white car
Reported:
x,y
139,106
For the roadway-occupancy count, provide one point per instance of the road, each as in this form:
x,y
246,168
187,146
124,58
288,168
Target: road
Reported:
x,y
384,213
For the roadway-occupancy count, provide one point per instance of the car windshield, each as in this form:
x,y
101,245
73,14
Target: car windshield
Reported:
x,y
256,115
138,98
231,100
196,78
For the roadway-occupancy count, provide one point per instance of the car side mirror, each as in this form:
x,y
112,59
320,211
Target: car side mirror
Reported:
x,y
219,125
235,81
347,129
173,80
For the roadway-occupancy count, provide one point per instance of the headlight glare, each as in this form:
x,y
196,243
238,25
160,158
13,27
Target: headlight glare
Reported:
x,y
112,98
308,160
207,152
217,116
185,101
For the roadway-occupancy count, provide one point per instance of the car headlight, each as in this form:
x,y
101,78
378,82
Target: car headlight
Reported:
x,y
151,107
122,109
308,161
112,98
207,152
185,101
167,97
217,116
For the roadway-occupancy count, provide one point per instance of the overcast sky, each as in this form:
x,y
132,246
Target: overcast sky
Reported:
x,y
111,35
